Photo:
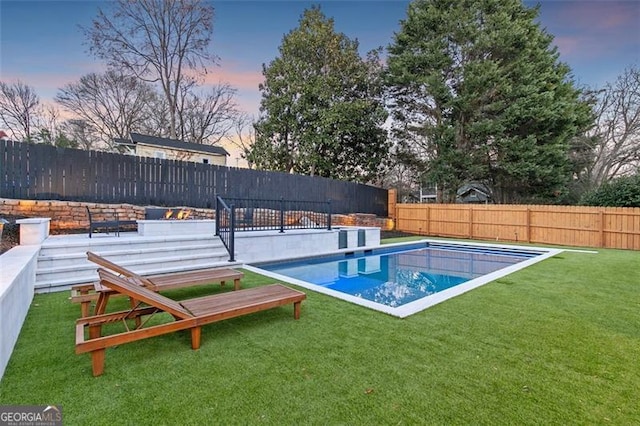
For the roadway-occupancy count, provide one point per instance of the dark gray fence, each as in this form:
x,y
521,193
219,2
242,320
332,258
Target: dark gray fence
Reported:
x,y
44,172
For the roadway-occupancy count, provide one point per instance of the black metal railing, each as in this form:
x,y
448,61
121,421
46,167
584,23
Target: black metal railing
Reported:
x,y
225,226
265,215
246,214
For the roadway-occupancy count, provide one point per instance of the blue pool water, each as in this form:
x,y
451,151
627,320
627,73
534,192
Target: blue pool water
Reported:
x,y
397,276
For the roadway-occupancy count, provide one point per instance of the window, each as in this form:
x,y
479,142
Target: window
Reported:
x,y
205,160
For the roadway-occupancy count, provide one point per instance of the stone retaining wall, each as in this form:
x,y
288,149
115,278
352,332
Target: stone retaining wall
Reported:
x,y
71,215
363,219
67,215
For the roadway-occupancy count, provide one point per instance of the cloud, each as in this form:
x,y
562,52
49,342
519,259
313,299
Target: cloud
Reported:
x,y
567,45
46,81
62,114
596,16
592,30
249,101
246,81
236,77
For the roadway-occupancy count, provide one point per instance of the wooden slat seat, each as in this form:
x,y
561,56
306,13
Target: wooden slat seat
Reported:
x,y
188,314
85,295
187,279
247,300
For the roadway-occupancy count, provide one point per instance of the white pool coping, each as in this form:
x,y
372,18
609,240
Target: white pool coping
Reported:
x,y
428,301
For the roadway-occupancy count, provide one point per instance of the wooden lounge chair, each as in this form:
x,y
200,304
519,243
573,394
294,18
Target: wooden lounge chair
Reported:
x,y
189,314
86,294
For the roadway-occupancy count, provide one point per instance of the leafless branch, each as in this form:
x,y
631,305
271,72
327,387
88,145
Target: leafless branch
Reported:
x,y
157,40
18,108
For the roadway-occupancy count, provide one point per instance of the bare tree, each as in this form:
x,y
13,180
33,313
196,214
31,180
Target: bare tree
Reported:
x,y
243,136
46,124
163,41
157,122
82,133
112,104
617,129
208,117
18,108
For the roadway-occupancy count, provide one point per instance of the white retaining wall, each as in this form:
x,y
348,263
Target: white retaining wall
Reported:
x,y
17,277
261,246
176,227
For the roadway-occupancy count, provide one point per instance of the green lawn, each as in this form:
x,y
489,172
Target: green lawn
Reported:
x,y
557,343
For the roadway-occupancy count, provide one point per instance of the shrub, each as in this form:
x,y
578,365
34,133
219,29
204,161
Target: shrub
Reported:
x,y
621,192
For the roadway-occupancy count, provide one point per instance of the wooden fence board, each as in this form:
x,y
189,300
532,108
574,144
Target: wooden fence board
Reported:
x,y
563,225
38,171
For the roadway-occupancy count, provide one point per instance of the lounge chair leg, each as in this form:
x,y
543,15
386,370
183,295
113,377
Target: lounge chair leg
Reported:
x,y
296,310
84,308
134,303
236,284
95,331
195,337
97,362
101,303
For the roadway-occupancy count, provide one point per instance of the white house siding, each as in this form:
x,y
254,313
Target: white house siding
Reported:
x,y
178,154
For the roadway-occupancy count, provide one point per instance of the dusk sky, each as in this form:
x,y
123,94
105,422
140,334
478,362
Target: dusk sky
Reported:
x,y
42,45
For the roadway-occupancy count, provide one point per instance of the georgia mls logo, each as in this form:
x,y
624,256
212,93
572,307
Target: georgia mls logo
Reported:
x,y
37,415
54,413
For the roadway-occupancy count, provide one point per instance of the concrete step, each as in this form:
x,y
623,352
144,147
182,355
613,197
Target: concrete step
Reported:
x,y
66,283
84,269
127,253
61,246
63,261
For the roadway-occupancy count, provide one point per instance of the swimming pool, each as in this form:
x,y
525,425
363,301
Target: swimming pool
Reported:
x,y
402,279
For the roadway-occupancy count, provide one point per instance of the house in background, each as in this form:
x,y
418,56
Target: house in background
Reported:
x,y
474,192
469,193
172,149
428,193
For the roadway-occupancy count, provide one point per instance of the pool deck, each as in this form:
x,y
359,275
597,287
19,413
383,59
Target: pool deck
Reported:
x,y
425,302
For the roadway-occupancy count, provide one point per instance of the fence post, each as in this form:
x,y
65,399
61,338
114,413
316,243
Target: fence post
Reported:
x,y
392,201
282,215
217,217
528,223
329,214
428,224
232,234
601,226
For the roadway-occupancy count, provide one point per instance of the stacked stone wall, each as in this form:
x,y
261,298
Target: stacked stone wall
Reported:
x,y
72,215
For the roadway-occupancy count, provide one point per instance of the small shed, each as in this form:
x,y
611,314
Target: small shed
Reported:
x,y
473,192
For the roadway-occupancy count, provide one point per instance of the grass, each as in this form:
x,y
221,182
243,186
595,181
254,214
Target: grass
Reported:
x,y
556,343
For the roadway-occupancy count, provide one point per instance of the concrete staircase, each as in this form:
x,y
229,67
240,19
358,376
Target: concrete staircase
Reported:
x,y
62,261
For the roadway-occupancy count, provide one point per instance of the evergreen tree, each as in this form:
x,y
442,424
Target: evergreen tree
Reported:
x,y
321,106
478,93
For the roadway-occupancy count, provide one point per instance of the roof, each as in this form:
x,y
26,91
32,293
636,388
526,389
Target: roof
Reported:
x,y
123,141
136,138
474,186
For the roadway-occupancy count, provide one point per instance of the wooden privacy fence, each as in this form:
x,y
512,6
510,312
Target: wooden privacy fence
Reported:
x,y
44,172
608,227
